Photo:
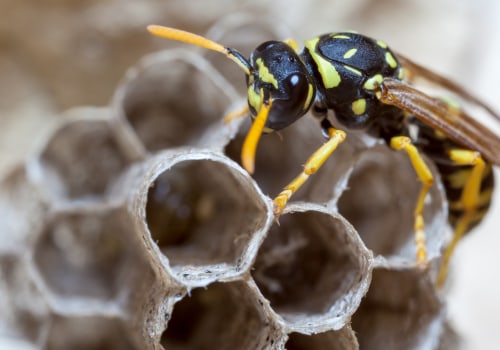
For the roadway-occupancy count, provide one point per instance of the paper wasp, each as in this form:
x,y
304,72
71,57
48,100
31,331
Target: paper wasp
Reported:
x,y
368,87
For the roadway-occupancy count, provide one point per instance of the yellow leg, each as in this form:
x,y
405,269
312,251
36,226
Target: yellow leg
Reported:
x,y
315,161
470,201
237,113
403,143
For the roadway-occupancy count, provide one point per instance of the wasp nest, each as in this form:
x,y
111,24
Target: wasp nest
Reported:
x,y
134,227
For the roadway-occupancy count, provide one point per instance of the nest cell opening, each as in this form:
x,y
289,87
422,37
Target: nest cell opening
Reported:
x,y
89,333
173,100
221,316
86,255
82,159
332,340
308,264
380,200
202,212
25,313
400,311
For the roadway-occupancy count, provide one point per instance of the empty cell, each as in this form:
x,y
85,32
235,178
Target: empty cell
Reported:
x,y
171,99
313,269
400,311
89,333
205,216
23,210
88,255
380,199
221,316
333,340
24,315
81,158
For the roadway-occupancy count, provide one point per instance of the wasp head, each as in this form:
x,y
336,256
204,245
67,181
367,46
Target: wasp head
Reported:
x,y
278,75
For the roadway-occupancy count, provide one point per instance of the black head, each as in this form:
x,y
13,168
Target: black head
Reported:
x,y
278,74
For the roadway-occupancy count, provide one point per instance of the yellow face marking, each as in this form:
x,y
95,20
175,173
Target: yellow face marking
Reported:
x,y
265,75
391,61
350,53
373,82
382,44
309,97
254,99
331,78
341,36
359,106
354,70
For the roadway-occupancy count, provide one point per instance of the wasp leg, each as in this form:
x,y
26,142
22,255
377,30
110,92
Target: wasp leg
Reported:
x,y
469,202
403,143
315,161
237,113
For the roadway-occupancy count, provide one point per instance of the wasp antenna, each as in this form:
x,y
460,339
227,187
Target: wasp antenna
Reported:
x,y
252,139
198,40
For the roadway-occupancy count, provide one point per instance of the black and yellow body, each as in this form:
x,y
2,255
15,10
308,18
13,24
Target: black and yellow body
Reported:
x,y
368,87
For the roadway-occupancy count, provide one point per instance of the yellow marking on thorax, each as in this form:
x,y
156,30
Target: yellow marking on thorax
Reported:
x,y
265,75
373,82
341,36
391,61
359,106
329,75
354,70
350,53
382,44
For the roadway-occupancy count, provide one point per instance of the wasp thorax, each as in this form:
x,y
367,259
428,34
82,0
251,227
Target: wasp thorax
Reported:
x,y
279,76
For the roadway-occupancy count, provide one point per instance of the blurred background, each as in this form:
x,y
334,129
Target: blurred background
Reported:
x,y
57,54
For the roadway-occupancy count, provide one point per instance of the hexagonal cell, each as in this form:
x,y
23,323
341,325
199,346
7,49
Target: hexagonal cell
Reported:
x,y
199,214
174,98
380,200
87,259
25,314
221,316
23,210
400,311
81,158
342,339
89,333
281,155
313,268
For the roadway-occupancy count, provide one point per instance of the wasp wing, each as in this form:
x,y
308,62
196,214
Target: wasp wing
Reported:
x,y
440,115
414,71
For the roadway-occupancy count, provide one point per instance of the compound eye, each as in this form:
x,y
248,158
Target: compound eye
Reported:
x,y
266,46
299,90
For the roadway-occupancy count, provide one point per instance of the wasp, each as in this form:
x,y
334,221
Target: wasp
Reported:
x,y
368,87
